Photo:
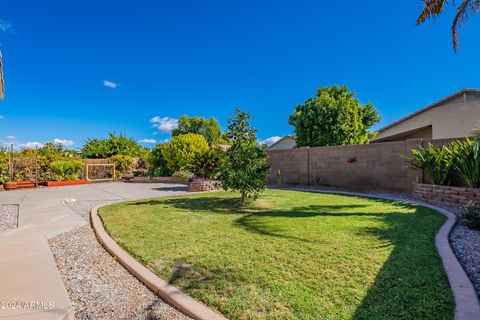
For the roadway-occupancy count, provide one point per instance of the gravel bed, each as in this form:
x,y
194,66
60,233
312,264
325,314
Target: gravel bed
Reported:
x,y
465,243
98,286
8,217
83,207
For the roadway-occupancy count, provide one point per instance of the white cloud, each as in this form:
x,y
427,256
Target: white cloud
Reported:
x,y
148,141
30,145
12,140
63,142
270,141
110,84
6,26
164,124
9,139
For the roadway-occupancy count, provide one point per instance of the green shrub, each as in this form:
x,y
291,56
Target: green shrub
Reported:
x,y
207,163
115,144
472,217
96,149
66,169
158,166
208,128
140,173
34,164
4,175
438,162
123,163
182,174
181,150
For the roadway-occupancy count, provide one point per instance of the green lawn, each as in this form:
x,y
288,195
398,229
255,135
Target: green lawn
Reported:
x,y
291,255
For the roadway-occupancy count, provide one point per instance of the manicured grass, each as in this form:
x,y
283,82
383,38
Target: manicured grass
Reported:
x,y
291,255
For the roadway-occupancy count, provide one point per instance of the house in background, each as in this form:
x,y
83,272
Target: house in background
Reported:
x,y
455,116
287,142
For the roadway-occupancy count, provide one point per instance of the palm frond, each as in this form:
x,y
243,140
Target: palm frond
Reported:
x,y
431,8
463,12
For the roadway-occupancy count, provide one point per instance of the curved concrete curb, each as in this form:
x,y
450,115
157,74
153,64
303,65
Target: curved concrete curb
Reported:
x,y
170,294
467,306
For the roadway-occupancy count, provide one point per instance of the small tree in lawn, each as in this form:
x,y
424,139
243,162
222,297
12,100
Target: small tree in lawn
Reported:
x,y
245,169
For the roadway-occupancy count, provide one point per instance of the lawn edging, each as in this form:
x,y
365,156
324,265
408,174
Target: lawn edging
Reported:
x,y
167,292
467,305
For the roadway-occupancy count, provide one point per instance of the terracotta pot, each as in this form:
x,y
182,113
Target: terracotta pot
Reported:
x,y
65,183
26,184
19,185
9,185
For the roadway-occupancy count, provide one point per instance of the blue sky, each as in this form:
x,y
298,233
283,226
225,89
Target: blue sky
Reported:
x,y
79,69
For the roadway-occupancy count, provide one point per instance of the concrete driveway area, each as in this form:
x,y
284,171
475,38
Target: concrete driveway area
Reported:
x,y
30,284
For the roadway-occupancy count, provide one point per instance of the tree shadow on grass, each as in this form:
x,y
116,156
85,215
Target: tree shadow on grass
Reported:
x,y
262,224
233,205
211,204
411,283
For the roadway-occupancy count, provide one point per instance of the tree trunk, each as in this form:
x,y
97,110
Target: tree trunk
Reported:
x,y
243,199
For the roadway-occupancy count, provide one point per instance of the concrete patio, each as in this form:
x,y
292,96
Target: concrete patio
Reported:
x,y
28,273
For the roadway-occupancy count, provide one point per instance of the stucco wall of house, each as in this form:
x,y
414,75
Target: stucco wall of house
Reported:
x,y
456,118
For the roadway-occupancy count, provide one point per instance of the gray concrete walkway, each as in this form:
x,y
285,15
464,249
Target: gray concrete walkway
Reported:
x,y
30,284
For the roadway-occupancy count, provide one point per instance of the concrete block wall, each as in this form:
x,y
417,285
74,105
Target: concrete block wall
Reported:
x,y
292,164
360,167
371,167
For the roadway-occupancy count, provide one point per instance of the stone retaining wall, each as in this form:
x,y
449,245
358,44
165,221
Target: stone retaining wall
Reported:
x,y
446,195
198,185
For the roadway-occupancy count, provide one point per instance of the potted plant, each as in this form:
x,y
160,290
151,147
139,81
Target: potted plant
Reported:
x,y
9,185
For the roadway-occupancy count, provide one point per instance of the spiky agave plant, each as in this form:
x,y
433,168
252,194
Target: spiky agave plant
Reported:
x,y
433,8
